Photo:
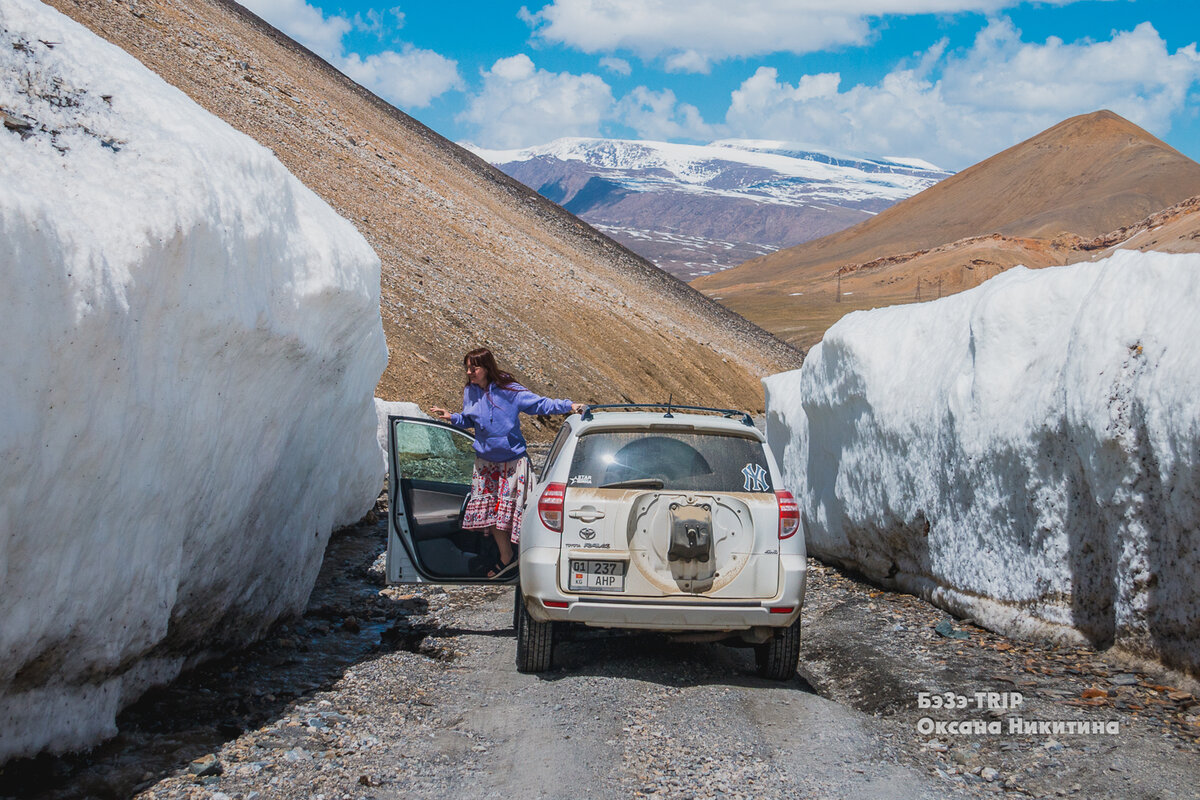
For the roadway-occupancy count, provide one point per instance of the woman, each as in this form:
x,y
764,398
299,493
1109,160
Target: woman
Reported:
x,y
492,403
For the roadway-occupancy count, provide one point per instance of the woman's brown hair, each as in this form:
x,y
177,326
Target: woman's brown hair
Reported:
x,y
482,357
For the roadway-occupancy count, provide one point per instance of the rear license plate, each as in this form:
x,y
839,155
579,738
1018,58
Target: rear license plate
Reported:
x,y
597,576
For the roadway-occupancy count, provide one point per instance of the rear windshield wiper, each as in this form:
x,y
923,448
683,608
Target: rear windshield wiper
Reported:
x,y
636,483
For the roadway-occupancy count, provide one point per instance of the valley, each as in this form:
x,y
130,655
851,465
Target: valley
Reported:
x,y
552,259
698,209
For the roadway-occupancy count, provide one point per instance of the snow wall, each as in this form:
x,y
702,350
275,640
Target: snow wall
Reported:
x,y
399,408
1026,453
189,345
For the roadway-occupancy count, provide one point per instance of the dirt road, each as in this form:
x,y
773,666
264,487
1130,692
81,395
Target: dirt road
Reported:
x,y
619,717
396,693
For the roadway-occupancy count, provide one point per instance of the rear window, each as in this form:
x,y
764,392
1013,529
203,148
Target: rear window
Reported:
x,y
703,462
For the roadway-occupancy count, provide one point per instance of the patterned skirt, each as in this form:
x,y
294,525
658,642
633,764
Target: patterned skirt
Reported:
x,y
498,493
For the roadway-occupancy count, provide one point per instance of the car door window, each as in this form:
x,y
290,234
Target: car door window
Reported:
x,y
433,453
433,465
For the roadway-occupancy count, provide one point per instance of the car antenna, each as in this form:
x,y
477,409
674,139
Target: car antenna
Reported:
x,y
670,397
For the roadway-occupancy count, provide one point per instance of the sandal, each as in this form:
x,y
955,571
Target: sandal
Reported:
x,y
502,569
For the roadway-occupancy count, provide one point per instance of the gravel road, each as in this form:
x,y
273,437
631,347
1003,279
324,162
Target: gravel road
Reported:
x,y
620,717
401,693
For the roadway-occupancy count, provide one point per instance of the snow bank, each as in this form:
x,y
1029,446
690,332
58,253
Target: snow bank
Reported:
x,y
1026,453
398,408
189,343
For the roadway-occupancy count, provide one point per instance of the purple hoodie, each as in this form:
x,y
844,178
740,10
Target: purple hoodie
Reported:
x,y
493,414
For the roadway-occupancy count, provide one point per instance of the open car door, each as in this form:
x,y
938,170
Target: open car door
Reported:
x,y
429,479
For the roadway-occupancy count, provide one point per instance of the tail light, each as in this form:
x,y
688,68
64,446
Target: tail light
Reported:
x,y
789,514
550,506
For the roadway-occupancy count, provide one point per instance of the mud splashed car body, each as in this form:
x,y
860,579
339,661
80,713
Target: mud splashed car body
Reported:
x,y
651,520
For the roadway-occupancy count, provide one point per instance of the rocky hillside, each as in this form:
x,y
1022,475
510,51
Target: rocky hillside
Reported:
x,y
698,209
1039,203
469,255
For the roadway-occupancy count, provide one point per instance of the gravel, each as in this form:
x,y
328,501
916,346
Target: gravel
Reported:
x,y
412,692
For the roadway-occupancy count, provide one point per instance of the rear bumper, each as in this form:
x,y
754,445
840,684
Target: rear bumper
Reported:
x,y
539,585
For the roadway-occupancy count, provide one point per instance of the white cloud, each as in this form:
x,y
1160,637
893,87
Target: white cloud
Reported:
x,y
688,61
520,104
956,108
690,36
410,77
658,115
306,24
1134,73
617,65
379,21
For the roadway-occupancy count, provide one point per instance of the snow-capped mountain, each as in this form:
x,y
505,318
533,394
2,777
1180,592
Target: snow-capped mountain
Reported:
x,y
697,209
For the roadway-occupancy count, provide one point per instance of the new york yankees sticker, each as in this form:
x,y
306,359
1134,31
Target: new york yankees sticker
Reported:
x,y
756,478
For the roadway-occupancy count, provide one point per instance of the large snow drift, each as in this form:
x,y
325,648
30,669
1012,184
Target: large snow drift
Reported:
x,y
1026,453
189,344
399,408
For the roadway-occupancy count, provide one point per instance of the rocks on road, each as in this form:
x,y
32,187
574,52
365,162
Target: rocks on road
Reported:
x,y
401,692
622,716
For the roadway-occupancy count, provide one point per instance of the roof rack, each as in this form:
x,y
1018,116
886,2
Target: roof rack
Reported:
x,y
724,412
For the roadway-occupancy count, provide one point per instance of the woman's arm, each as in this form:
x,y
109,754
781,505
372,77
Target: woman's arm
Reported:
x,y
531,403
463,420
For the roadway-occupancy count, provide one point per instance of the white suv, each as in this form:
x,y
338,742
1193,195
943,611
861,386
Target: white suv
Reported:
x,y
639,519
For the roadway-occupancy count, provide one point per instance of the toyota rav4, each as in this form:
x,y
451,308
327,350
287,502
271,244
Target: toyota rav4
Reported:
x,y
640,519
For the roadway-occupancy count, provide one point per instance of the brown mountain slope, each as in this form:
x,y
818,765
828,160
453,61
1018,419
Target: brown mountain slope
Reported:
x,y
1082,178
950,268
1172,230
469,255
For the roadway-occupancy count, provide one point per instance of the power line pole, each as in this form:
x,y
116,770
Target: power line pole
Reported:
x,y
918,290
838,298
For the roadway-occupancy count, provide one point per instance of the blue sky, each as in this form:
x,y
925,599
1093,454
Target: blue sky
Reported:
x,y
949,81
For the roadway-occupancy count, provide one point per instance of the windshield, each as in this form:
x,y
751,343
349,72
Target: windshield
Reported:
x,y
684,461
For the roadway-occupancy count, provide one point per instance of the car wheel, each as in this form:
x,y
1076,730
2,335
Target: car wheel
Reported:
x,y
778,658
535,640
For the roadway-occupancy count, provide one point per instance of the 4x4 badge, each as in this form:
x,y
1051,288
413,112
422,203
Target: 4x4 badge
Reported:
x,y
587,534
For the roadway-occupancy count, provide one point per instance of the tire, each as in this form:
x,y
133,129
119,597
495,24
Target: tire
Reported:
x,y
778,658
535,640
